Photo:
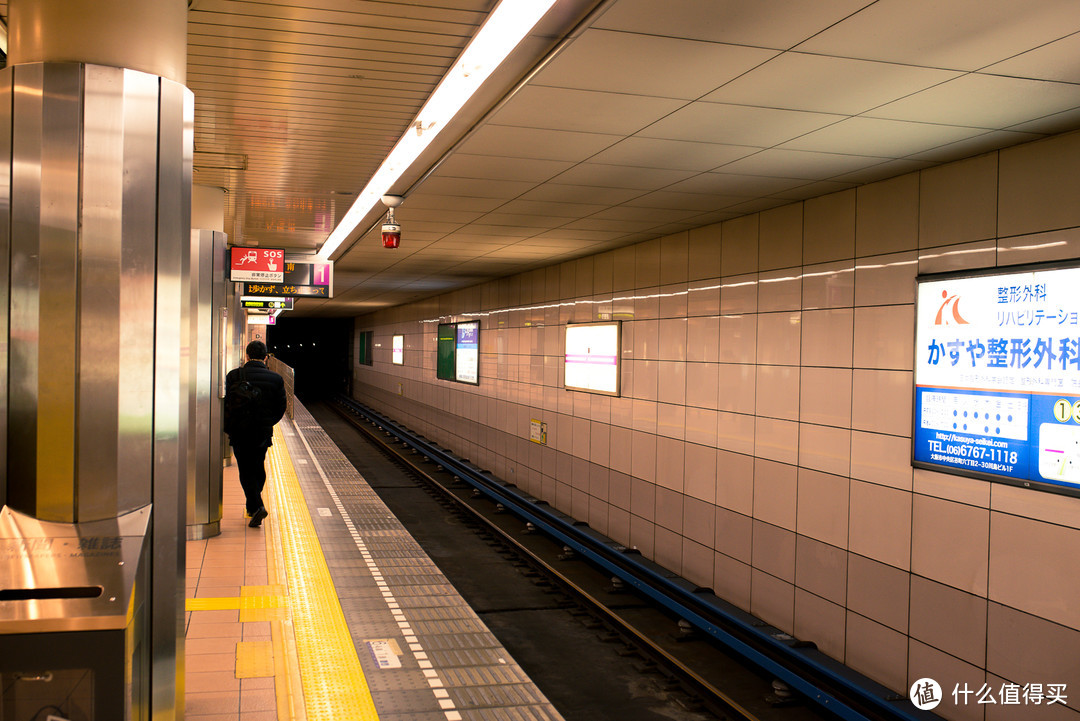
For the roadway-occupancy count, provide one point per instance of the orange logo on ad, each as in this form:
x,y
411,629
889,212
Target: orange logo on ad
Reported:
x,y
952,303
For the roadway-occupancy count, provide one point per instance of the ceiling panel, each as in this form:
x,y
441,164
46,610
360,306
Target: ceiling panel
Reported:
x,y
648,118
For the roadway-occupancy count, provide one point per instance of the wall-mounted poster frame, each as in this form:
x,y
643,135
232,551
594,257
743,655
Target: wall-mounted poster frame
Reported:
x,y
997,375
397,350
458,352
593,354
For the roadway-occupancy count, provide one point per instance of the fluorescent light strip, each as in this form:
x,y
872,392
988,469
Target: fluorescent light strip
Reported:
x,y
507,25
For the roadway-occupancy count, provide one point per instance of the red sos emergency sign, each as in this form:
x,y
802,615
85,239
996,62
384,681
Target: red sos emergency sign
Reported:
x,y
254,265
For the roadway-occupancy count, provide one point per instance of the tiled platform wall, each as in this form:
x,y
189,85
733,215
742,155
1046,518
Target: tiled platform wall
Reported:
x,y
761,445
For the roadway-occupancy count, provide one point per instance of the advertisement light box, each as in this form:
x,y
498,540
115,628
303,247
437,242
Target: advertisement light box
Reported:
x,y
592,357
997,376
398,350
467,352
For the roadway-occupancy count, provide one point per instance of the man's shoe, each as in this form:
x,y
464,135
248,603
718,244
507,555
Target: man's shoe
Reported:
x,y
257,518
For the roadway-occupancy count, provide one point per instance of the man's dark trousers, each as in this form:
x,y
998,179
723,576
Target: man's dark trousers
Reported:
x,y
250,462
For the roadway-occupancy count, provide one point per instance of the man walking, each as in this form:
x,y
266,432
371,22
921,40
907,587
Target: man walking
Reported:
x,y
254,402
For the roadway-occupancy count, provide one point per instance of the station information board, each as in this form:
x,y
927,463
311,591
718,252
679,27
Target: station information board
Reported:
x,y
397,350
301,278
997,376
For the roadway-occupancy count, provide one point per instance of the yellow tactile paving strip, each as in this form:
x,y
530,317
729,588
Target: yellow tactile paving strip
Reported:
x,y
334,685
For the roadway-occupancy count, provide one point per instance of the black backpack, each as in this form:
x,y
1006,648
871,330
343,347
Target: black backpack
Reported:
x,y
242,405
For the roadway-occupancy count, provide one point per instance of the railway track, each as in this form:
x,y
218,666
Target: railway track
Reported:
x,y
595,646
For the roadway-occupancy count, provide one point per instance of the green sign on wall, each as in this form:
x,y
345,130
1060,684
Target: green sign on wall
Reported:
x,y
445,365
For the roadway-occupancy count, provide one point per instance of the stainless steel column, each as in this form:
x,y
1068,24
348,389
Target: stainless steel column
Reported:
x,y
208,292
98,221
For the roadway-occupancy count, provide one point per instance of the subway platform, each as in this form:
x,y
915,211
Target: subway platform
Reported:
x,y
332,611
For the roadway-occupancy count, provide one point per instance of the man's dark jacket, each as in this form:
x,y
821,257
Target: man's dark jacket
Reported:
x,y
271,404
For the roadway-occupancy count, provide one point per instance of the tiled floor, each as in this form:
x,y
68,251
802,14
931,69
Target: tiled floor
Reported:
x,y
222,567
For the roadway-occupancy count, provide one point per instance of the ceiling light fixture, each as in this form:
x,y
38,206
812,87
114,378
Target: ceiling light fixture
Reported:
x,y
507,25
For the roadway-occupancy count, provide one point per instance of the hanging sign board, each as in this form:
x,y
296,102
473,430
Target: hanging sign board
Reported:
x,y
267,303
302,278
997,376
263,265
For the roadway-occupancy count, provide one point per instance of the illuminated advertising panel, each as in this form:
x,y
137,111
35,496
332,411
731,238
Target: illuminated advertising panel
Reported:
x,y
997,376
592,357
398,350
467,352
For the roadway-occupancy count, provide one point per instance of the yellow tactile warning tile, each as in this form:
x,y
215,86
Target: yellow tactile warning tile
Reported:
x,y
333,682
254,659
242,603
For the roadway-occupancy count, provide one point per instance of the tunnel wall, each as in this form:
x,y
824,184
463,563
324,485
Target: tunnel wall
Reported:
x,y
761,446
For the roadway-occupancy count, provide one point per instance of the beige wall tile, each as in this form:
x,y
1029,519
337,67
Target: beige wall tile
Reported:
x,y
738,338
887,216
1048,507
701,384
736,387
822,511
1039,186
697,565
827,337
703,339
739,250
958,202
1026,649
877,651
739,294
671,382
731,580
735,432
774,551
821,569
825,448
668,548
979,254
881,401
623,269
673,339
880,525
775,439
700,471
886,279
703,297
778,392
669,514
734,534
829,285
773,601
779,290
701,426
878,591
670,456
972,491
735,481
643,456
778,338
950,543
674,258
775,493
820,622
928,662
829,227
881,459
1021,551
884,337
671,420
781,241
673,303
949,620
1053,245
703,252
699,522
825,396
647,263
